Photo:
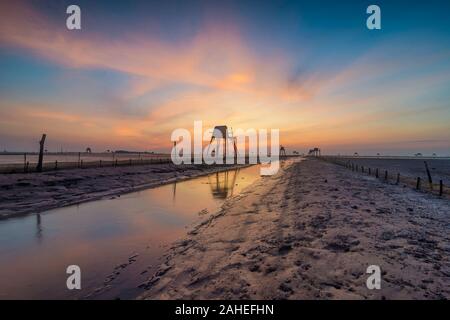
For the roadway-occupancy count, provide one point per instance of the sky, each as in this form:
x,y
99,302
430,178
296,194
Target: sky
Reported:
x,y
137,70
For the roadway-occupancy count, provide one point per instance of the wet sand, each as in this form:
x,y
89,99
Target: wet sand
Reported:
x,y
310,232
37,192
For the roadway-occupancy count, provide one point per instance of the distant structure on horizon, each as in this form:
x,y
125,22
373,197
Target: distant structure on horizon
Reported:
x,y
224,134
314,152
282,151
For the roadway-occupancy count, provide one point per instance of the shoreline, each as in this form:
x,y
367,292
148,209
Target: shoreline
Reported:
x,y
24,194
310,232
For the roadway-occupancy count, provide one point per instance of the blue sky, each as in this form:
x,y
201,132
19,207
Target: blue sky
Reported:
x,y
139,69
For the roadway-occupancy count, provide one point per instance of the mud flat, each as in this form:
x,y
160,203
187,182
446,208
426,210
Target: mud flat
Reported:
x,y
310,232
36,192
408,167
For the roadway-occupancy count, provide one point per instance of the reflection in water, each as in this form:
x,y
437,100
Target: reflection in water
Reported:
x,y
102,234
174,191
222,183
38,228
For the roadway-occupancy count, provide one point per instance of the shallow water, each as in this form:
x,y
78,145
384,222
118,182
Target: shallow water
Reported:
x,y
98,236
18,159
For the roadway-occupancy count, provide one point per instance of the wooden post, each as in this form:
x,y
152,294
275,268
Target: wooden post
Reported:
x,y
370,171
24,162
100,163
362,169
56,164
430,181
398,178
41,153
376,173
28,165
385,175
418,183
441,188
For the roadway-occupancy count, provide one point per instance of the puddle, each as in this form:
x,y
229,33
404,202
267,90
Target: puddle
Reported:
x,y
113,241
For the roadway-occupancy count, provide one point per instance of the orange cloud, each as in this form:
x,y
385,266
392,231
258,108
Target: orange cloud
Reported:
x,y
232,84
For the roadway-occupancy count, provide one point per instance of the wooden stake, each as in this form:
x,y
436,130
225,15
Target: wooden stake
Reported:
x,y
41,153
430,181
441,188
418,183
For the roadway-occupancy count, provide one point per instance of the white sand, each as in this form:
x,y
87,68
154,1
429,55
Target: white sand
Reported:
x,y
310,232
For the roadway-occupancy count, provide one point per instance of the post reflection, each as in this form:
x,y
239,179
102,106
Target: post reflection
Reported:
x,y
38,228
174,192
222,183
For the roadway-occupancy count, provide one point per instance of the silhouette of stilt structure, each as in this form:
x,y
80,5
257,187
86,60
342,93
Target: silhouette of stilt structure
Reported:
x,y
314,152
222,133
282,152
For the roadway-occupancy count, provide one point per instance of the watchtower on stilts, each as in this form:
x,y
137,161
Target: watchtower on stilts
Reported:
x,y
226,136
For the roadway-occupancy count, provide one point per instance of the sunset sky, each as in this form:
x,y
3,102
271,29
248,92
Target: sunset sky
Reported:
x,y
140,69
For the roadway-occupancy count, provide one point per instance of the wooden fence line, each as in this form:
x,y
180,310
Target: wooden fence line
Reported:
x,y
412,182
60,165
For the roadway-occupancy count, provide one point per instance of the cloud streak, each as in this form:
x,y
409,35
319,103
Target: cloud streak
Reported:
x,y
216,75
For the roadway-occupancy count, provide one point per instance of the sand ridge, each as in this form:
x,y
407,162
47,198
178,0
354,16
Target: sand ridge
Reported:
x,y
310,232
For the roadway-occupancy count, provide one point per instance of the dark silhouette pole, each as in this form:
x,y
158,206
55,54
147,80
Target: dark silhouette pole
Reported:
x,y
41,153
430,181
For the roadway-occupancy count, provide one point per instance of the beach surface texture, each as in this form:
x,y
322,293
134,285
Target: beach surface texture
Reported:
x,y
310,232
23,193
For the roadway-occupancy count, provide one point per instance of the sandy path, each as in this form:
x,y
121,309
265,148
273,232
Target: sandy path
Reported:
x,y
36,192
309,233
